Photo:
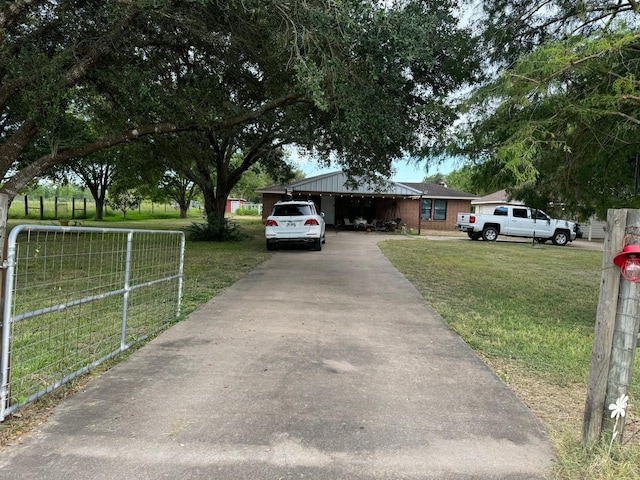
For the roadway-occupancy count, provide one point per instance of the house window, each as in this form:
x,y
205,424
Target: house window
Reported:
x,y
440,210
425,213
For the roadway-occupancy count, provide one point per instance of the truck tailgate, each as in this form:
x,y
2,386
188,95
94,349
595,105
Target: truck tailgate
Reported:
x,y
464,219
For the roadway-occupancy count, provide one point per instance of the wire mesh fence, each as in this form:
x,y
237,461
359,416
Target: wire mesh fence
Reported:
x,y
82,208
76,297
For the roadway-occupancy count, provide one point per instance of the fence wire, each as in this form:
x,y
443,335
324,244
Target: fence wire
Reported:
x,y
76,297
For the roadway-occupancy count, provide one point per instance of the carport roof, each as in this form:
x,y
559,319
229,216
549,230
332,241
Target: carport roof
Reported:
x,y
337,183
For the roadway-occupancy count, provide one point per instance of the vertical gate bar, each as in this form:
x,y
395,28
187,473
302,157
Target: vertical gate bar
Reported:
x,y
125,296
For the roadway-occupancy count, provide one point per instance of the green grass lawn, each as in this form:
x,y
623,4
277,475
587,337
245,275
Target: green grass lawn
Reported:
x,y
530,313
535,306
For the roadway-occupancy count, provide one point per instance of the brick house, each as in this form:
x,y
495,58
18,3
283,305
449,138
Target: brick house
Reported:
x,y
421,206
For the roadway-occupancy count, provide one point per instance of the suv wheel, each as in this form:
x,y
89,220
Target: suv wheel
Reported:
x,y
317,244
271,245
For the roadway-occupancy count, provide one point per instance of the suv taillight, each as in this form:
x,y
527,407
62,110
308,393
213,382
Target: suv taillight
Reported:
x,y
272,223
311,221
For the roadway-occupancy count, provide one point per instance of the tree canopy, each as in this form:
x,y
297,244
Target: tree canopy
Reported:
x,y
561,123
358,83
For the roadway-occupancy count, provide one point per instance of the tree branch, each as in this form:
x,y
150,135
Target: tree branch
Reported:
x,y
41,165
627,117
15,145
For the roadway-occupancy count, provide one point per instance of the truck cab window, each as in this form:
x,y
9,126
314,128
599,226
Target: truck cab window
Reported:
x,y
501,211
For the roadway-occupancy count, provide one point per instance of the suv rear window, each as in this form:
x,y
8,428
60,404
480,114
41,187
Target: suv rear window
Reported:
x,y
292,210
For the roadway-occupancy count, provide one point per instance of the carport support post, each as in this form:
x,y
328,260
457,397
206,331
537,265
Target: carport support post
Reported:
x,y
616,332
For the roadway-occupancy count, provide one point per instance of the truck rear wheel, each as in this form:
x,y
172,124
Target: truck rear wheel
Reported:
x,y
490,234
560,238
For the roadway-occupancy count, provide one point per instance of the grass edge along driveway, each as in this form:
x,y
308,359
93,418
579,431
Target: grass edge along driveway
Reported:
x,y
530,314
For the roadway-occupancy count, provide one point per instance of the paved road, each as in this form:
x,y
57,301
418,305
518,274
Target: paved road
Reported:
x,y
317,365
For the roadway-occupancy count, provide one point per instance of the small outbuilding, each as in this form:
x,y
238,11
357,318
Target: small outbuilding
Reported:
x,y
488,203
234,204
417,206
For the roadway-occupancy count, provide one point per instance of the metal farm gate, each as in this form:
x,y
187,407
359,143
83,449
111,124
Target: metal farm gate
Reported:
x,y
75,297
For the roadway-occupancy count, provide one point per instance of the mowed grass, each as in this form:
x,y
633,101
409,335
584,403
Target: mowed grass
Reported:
x,y
509,300
530,313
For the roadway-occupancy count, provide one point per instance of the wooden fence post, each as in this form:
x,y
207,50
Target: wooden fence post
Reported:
x,y
616,331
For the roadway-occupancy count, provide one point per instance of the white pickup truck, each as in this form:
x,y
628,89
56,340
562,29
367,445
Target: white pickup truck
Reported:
x,y
516,221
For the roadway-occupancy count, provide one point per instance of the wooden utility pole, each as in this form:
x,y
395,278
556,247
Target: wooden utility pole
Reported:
x,y
616,331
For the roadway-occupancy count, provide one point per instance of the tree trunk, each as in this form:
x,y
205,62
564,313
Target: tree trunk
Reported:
x,y
99,208
183,210
98,195
221,205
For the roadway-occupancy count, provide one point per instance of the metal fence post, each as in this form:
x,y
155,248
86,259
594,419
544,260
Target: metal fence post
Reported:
x,y
4,329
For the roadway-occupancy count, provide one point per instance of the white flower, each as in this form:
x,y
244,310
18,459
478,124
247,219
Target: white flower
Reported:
x,y
619,408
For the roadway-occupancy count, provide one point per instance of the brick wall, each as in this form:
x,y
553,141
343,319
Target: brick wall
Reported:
x,y
268,201
409,210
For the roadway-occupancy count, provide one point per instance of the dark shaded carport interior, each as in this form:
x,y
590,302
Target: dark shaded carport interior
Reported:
x,y
369,207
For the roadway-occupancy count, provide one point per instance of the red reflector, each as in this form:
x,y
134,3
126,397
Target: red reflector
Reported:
x,y
272,223
311,221
472,219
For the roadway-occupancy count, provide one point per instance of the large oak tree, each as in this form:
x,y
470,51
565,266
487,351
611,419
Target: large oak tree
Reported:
x,y
358,82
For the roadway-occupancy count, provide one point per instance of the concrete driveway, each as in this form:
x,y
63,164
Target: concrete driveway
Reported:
x,y
317,365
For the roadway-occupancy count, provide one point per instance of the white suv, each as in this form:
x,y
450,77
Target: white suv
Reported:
x,y
295,221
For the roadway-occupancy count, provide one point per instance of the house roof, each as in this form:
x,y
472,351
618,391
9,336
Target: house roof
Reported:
x,y
337,183
440,191
499,197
